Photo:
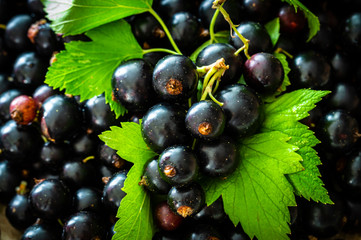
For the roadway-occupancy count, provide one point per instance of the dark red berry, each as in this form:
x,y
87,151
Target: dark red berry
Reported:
x,y
24,109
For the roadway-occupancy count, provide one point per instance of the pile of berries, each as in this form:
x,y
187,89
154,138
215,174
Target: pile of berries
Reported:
x,y
59,181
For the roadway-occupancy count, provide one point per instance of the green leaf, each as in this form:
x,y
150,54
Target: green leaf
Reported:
x,y
286,81
273,29
258,194
283,115
313,23
220,37
135,212
86,68
71,17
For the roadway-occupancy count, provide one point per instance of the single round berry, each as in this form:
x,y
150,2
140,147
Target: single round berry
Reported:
x,y
243,108
165,218
42,231
264,73
19,213
24,109
110,158
152,179
175,78
205,120
10,178
218,158
291,21
16,33
212,213
163,126
186,200
131,84
178,165
113,193
88,199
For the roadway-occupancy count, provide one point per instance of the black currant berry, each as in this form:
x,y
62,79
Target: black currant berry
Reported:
x,y
165,218
351,176
113,193
310,70
344,96
42,231
50,199
167,8
61,118
88,199
42,92
186,200
259,39
243,108
214,52
178,165
132,84
203,232
78,174
163,126
152,179
291,21
16,33
218,158
110,158
260,10
10,178
264,73
29,70
84,225
205,120
175,78
212,213
338,130
53,155
352,32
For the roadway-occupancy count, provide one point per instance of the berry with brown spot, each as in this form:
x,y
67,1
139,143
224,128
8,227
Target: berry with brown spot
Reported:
x,y
24,109
165,218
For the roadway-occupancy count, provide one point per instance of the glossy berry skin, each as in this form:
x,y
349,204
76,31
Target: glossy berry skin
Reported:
x,y
53,155
218,158
110,158
352,31
44,38
84,225
16,33
113,193
10,178
178,165
131,84
98,114
203,232
344,96
152,179
29,70
5,99
165,218
291,22
61,118
168,8
85,145
42,231
18,212
185,30
259,39
243,108
50,199
19,143
163,126
206,12
78,174
42,92
205,120
175,78
259,10
310,70
23,109
351,177
338,130
87,199
186,200
212,213
324,220
215,51
264,73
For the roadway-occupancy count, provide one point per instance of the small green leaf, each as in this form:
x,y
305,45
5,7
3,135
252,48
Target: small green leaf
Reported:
x,y
86,68
286,80
283,115
273,29
313,23
258,194
71,17
128,142
135,212
221,37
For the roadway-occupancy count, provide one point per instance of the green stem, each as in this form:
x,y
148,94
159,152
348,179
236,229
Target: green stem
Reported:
x,y
281,50
208,89
214,99
159,19
145,51
211,27
207,77
243,39
189,102
216,87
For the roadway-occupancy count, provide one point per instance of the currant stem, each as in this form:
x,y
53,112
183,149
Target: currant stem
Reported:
x,y
159,19
218,4
214,99
211,27
281,50
145,51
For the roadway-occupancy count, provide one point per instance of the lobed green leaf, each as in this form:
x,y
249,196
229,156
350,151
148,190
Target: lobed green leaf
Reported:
x,y
86,68
273,29
71,17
